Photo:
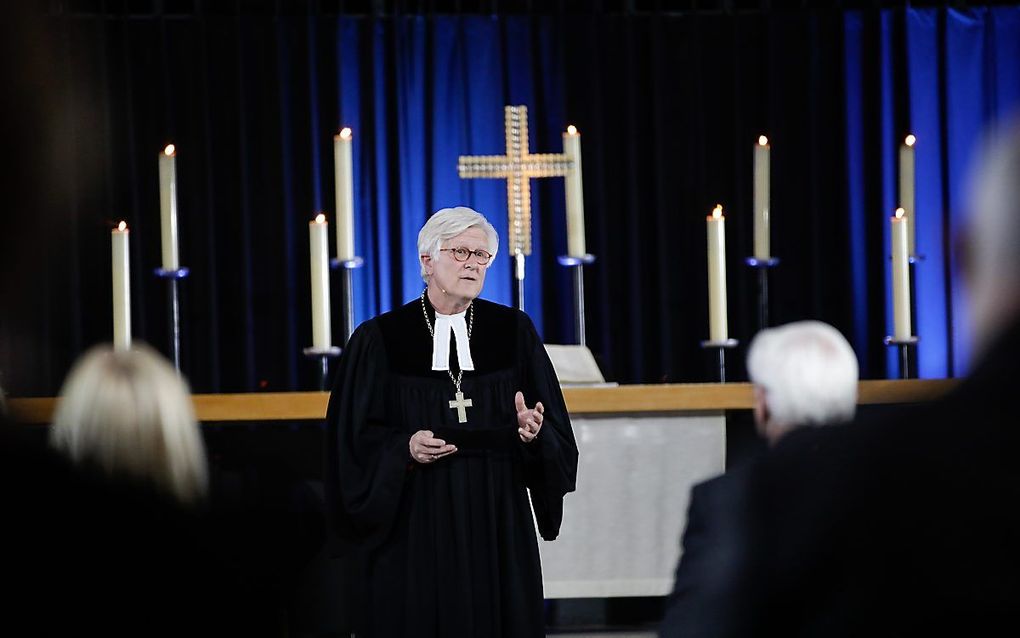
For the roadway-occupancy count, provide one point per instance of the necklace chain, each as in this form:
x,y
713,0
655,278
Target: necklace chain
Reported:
x,y
471,324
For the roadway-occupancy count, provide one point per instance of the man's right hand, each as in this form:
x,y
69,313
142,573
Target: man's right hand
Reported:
x,y
425,448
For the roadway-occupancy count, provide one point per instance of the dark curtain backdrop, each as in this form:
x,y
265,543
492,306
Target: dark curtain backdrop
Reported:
x,y
669,108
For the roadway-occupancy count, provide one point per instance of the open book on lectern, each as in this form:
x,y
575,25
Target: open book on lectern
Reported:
x,y
576,366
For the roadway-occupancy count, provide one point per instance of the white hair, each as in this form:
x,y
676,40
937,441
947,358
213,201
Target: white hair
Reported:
x,y
447,223
128,413
808,372
993,235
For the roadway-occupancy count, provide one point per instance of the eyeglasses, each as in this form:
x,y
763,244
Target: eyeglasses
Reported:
x,y
461,254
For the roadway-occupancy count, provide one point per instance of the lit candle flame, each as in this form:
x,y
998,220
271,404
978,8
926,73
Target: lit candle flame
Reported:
x,y
170,150
346,132
717,211
571,130
122,226
910,140
763,141
320,219
900,213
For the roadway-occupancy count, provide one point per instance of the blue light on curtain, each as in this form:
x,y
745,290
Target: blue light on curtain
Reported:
x,y
856,182
925,123
433,90
967,114
961,82
889,145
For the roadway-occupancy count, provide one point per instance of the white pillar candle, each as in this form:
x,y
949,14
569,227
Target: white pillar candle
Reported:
x,y
575,194
168,206
343,165
318,243
907,189
762,171
717,323
121,288
899,225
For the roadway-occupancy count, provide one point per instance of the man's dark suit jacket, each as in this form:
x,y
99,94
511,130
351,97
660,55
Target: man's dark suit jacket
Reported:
x,y
712,555
905,527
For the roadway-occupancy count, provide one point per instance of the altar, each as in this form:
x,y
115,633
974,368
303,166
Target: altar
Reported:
x,y
621,528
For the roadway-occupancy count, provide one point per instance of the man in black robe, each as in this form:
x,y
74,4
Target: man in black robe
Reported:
x,y
433,450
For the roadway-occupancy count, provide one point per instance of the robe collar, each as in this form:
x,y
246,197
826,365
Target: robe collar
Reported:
x,y
445,324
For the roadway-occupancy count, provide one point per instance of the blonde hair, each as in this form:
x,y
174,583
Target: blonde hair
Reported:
x,y
130,414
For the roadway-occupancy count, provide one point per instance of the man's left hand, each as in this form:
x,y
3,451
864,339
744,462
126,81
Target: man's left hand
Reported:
x,y
529,420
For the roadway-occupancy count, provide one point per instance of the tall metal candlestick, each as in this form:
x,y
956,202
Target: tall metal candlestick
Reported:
x,y
577,264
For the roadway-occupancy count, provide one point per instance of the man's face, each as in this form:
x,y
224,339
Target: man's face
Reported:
x,y
461,280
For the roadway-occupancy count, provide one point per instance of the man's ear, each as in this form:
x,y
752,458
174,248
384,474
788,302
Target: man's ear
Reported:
x,y
760,410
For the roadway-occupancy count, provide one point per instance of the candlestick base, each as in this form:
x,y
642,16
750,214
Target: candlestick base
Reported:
x,y
763,265
914,259
347,267
577,263
173,310
721,347
347,264
323,355
179,273
574,260
766,262
904,345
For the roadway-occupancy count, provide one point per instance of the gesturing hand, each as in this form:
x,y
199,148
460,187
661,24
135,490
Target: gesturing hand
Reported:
x,y
425,448
529,420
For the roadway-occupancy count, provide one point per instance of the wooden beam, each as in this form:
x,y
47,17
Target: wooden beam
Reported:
x,y
676,397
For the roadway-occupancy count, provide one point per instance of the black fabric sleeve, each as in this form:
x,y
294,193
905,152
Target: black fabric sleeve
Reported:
x,y
551,459
366,459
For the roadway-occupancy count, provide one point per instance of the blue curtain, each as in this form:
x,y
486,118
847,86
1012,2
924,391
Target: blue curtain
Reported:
x,y
252,101
445,80
948,76
669,106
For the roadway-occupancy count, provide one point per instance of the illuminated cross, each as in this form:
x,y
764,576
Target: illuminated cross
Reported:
x,y
518,166
460,405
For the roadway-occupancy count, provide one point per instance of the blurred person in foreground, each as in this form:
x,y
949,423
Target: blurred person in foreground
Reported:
x,y
109,523
803,374
909,526
130,415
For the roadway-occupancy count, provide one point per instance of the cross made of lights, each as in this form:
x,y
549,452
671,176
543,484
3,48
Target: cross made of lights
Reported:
x,y
518,167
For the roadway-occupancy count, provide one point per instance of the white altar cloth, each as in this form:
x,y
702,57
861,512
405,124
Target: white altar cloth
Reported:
x,y
621,528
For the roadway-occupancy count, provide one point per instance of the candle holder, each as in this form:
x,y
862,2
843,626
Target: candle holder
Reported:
x,y
721,347
577,264
904,345
323,356
347,267
763,266
519,279
174,310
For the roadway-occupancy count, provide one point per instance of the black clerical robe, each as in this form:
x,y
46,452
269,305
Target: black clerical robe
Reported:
x,y
447,548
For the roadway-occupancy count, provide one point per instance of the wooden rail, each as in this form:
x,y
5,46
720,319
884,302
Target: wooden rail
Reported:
x,y
679,397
